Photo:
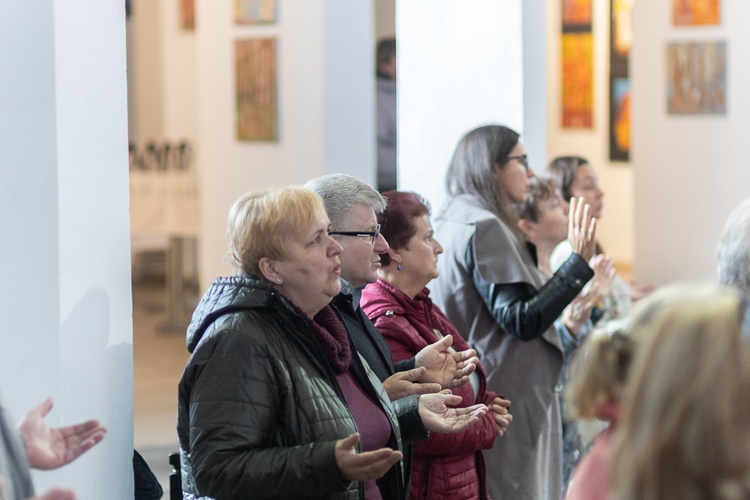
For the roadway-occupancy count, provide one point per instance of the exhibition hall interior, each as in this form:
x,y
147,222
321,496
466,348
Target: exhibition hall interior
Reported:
x,y
586,87
200,101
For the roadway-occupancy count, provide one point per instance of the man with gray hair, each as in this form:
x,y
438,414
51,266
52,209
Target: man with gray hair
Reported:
x,y
733,251
352,206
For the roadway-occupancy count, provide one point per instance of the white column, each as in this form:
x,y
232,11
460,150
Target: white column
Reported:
x,y
65,302
461,65
326,116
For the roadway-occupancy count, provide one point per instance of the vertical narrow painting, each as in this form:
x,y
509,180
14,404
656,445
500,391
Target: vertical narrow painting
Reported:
x,y
254,11
577,80
696,12
256,89
620,43
187,15
576,13
697,78
619,113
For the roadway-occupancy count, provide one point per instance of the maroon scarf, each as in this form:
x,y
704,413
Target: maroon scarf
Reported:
x,y
331,336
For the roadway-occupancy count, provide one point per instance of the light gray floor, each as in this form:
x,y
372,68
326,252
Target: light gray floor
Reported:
x,y
159,358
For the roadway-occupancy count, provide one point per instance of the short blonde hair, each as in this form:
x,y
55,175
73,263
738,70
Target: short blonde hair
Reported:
x,y
260,223
685,427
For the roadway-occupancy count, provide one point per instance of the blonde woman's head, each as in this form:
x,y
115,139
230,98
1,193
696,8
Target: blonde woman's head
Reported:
x,y
685,427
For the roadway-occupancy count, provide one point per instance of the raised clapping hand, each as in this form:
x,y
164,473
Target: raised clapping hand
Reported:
x,y
364,466
579,310
438,417
446,368
581,229
601,284
500,408
52,448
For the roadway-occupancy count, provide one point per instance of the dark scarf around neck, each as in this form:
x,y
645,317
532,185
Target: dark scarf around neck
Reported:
x,y
331,336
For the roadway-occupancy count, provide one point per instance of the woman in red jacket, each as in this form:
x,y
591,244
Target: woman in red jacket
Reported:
x,y
444,466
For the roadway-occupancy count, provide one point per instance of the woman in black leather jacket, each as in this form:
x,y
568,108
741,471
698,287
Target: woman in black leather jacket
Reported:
x,y
490,288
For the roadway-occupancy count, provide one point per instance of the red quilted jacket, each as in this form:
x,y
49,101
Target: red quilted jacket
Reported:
x,y
446,466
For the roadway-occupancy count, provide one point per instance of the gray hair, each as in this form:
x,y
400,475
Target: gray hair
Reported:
x,y
733,251
341,193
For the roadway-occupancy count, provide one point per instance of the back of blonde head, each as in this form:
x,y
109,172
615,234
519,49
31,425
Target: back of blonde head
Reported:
x,y
685,427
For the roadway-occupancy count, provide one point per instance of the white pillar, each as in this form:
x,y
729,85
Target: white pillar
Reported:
x,y
65,302
326,115
461,65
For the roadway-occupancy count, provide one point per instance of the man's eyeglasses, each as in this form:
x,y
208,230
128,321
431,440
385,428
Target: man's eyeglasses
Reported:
x,y
522,159
373,235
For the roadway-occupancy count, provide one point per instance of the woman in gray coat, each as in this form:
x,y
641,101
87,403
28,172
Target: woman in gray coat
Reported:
x,y
490,288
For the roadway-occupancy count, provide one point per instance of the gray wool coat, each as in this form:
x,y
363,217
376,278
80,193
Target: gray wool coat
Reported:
x,y
526,463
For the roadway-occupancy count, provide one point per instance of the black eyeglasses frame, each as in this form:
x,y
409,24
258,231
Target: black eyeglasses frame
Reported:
x,y
360,234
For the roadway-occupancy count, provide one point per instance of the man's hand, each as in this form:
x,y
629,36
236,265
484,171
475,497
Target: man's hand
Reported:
x,y
52,448
500,410
445,368
403,384
364,466
437,417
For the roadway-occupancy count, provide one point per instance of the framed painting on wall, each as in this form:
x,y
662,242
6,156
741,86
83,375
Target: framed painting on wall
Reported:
x,y
576,13
577,80
619,119
254,11
256,87
620,43
697,78
696,12
187,15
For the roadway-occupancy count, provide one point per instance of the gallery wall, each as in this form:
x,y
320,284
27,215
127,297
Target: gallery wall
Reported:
x,y
690,169
617,229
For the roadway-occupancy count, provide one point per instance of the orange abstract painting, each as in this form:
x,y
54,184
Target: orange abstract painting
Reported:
x,y
576,12
577,80
696,12
187,15
256,89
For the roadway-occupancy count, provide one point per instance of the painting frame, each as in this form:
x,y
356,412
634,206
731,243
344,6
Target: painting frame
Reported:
x,y
256,94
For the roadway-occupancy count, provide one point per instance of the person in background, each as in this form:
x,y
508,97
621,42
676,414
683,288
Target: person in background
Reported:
x,y
386,109
543,219
575,177
684,431
490,288
304,416
35,445
599,371
733,250
398,303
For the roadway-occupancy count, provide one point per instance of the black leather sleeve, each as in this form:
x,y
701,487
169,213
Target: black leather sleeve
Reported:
x,y
407,411
526,313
